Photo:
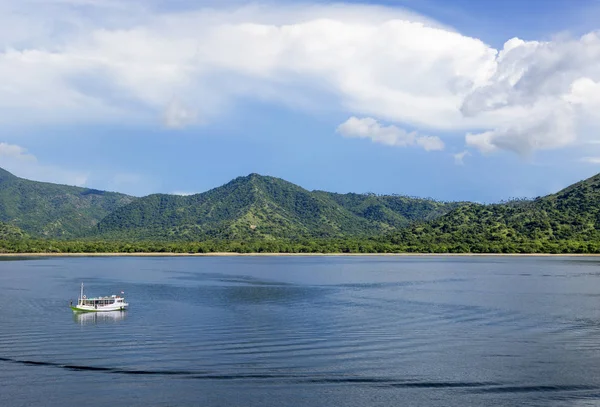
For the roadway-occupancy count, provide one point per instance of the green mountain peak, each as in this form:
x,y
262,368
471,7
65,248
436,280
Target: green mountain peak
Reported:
x,y
259,206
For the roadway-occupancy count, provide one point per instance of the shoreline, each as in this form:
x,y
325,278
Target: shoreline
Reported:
x,y
228,254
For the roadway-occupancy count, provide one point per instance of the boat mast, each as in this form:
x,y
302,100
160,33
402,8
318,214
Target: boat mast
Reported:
x,y
81,295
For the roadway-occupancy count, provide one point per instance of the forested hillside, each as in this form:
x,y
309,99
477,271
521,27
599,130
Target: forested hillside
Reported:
x,y
567,221
51,210
266,214
264,207
9,232
393,210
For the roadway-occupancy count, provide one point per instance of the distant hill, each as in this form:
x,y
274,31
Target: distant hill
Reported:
x,y
264,207
567,221
43,209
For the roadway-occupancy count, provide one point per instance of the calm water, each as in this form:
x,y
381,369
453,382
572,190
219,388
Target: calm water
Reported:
x,y
303,331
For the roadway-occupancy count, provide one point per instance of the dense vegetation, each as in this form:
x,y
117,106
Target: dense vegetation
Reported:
x,y
259,207
263,214
9,232
50,210
349,245
395,211
565,222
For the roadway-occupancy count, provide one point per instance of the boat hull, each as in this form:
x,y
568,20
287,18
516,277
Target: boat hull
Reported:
x,y
99,309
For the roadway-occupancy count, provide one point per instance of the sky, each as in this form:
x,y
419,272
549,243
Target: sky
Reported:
x,y
448,99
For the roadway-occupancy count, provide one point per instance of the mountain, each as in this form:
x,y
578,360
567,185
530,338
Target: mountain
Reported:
x,y
255,212
50,210
567,221
264,207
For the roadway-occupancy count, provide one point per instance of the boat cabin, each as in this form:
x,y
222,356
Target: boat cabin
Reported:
x,y
101,301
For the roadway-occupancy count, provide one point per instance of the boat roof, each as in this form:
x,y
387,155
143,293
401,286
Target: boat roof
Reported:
x,y
103,298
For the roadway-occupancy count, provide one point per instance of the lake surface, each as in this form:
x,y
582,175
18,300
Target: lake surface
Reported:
x,y
303,331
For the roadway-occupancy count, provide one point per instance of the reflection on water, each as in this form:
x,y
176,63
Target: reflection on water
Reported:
x,y
88,318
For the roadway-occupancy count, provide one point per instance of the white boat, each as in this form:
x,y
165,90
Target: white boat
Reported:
x,y
99,304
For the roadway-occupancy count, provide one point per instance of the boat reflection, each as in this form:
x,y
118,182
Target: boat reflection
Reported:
x,y
89,318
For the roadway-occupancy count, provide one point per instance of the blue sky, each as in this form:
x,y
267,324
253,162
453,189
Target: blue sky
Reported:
x,y
455,100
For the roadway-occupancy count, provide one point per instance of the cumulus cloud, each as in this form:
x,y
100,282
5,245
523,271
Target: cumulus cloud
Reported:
x,y
539,93
364,57
545,128
584,91
391,135
17,160
98,61
430,143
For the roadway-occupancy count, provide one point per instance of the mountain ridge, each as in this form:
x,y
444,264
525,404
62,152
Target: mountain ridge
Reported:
x,y
258,206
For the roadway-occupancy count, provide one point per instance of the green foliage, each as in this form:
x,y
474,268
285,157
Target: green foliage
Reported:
x,y
565,222
259,207
50,210
209,246
9,232
391,210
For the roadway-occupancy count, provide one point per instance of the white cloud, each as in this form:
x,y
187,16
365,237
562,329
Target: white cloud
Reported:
x,y
430,143
18,161
544,128
543,90
459,158
99,61
364,57
584,91
12,151
482,141
389,135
